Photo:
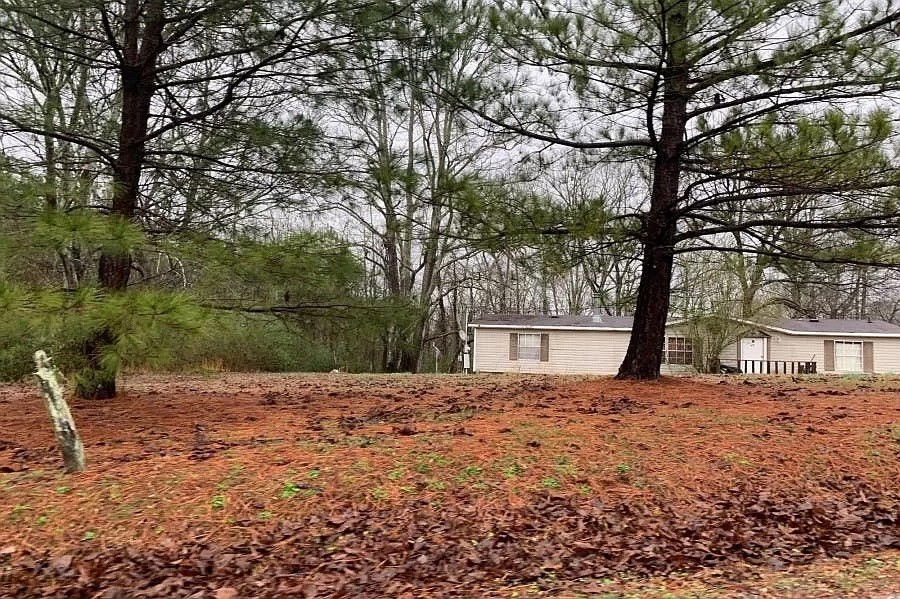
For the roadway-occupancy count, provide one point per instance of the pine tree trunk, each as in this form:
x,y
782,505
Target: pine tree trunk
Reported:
x,y
409,360
94,381
140,50
414,350
644,355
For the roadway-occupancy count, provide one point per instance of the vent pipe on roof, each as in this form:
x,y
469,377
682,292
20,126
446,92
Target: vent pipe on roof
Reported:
x,y
596,310
596,314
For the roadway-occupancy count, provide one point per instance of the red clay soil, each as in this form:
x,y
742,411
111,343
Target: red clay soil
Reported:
x,y
454,486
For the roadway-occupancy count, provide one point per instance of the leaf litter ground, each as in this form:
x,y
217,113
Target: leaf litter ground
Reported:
x,y
265,485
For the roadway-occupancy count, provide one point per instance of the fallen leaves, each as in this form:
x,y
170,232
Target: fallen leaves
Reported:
x,y
372,551
647,479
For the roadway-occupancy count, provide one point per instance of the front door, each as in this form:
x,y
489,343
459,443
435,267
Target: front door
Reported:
x,y
753,354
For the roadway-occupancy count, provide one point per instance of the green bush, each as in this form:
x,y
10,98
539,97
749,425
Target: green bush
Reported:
x,y
239,343
16,360
159,331
231,343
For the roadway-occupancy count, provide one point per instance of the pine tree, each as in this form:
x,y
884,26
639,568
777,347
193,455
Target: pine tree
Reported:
x,y
692,89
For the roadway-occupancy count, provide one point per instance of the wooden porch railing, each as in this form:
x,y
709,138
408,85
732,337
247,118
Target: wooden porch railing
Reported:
x,y
770,367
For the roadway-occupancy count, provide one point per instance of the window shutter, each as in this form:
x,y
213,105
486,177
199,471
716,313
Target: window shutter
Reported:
x,y
868,356
513,346
545,347
828,358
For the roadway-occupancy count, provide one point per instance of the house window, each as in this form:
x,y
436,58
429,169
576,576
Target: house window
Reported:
x,y
679,350
848,356
529,346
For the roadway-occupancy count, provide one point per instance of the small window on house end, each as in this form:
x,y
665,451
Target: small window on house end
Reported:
x,y
529,346
679,350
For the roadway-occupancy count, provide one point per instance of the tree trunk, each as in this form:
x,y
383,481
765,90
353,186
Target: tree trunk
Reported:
x,y
644,355
140,49
95,381
409,359
63,424
412,344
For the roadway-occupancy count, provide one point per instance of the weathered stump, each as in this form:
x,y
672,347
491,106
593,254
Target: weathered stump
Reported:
x,y
60,417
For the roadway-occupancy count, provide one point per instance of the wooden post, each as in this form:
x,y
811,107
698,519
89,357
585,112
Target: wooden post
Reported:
x,y
60,416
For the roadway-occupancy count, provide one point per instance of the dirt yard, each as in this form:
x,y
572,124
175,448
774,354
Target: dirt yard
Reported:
x,y
337,485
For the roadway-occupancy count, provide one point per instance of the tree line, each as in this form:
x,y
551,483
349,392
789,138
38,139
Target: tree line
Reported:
x,y
354,180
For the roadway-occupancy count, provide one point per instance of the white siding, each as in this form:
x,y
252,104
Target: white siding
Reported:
x,y
887,355
571,352
728,354
797,348
601,352
802,348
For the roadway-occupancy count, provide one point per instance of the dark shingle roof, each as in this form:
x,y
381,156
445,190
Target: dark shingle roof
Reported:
x,y
527,320
823,326
836,325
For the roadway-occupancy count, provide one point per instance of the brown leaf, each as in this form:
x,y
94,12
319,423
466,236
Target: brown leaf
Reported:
x,y
227,593
592,588
62,563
